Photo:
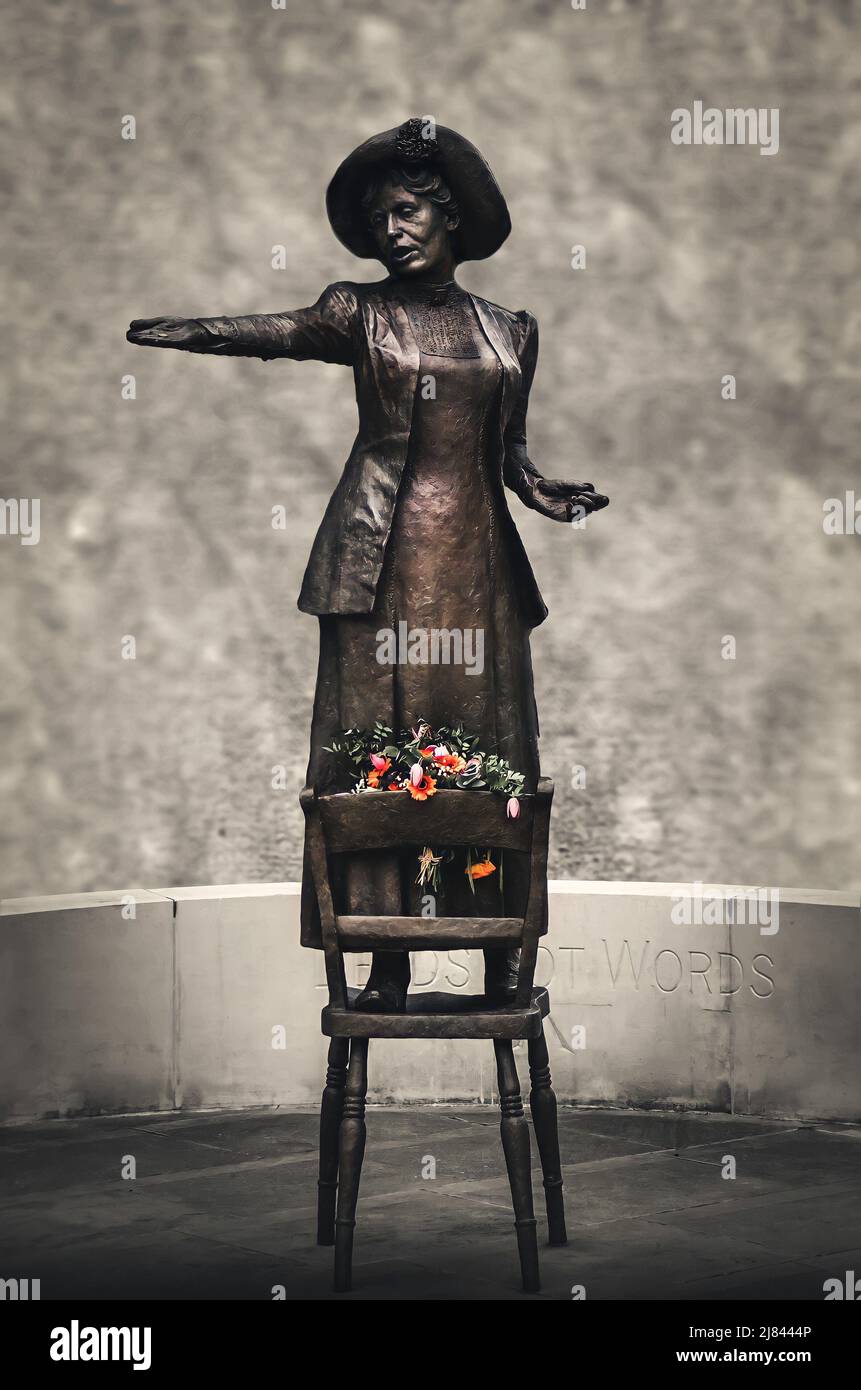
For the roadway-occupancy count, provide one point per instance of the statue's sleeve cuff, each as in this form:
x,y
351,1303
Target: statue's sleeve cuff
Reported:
x,y
526,484
220,329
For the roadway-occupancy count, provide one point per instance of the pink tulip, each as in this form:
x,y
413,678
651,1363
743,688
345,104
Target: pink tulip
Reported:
x,y
379,762
512,810
417,773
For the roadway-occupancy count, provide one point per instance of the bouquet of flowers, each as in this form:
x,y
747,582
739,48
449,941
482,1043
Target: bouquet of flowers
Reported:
x,y
420,762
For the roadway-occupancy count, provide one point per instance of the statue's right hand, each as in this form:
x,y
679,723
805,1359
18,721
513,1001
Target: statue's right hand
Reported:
x,y
185,334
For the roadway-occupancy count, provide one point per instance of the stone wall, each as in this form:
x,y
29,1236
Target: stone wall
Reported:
x,y
155,512
204,999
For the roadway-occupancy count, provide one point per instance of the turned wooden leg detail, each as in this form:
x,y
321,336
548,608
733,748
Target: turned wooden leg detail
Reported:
x,y
331,1110
515,1146
351,1151
542,1103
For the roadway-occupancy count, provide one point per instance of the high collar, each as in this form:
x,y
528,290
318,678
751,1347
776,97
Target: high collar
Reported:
x,y
419,291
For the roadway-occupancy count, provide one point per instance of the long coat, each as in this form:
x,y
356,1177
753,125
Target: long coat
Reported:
x,y
367,328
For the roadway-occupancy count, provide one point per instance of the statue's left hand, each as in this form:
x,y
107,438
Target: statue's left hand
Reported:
x,y
562,501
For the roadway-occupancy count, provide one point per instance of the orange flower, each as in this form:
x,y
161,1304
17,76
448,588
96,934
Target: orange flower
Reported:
x,y
451,762
426,752
426,788
482,869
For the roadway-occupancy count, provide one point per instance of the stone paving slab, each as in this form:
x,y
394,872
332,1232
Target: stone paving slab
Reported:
x,y
223,1207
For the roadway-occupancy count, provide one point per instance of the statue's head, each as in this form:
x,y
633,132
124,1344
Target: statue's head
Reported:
x,y
419,198
413,219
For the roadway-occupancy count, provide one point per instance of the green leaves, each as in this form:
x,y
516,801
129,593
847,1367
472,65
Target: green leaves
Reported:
x,y
484,770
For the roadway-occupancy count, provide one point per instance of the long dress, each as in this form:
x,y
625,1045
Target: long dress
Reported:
x,y
446,567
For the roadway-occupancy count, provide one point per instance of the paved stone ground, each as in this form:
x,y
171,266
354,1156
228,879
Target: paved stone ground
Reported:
x,y
223,1207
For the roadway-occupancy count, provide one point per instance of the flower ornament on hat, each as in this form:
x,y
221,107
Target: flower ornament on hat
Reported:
x,y
415,142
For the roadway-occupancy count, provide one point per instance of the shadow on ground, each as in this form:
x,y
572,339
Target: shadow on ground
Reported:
x,y
222,1207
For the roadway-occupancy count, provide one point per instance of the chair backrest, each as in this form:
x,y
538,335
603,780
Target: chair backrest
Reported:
x,y
347,822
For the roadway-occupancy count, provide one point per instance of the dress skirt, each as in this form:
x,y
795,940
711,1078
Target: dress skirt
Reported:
x,y
446,567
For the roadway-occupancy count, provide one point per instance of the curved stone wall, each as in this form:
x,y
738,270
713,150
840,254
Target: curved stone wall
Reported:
x,y
663,994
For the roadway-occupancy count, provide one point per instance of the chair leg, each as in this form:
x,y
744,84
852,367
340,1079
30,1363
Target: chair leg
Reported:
x,y
515,1145
351,1151
542,1103
331,1110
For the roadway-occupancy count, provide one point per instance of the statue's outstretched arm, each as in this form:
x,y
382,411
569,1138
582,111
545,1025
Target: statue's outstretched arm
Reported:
x,y
550,496
324,332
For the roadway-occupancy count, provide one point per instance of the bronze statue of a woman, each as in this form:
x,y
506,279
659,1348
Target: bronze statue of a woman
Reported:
x,y
417,531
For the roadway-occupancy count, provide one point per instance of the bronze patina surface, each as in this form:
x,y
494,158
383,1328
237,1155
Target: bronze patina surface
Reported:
x,y
417,531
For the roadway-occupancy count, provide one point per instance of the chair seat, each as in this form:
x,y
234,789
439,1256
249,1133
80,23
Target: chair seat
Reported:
x,y
439,1016
427,933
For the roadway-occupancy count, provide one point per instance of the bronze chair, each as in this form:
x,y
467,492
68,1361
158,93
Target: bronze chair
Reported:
x,y
372,821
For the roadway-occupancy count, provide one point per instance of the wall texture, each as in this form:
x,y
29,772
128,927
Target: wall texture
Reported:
x,y
155,512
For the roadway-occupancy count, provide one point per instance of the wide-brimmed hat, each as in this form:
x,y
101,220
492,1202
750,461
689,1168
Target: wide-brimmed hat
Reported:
x,y
484,220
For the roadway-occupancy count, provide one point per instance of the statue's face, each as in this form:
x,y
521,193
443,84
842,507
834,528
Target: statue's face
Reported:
x,y
411,232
